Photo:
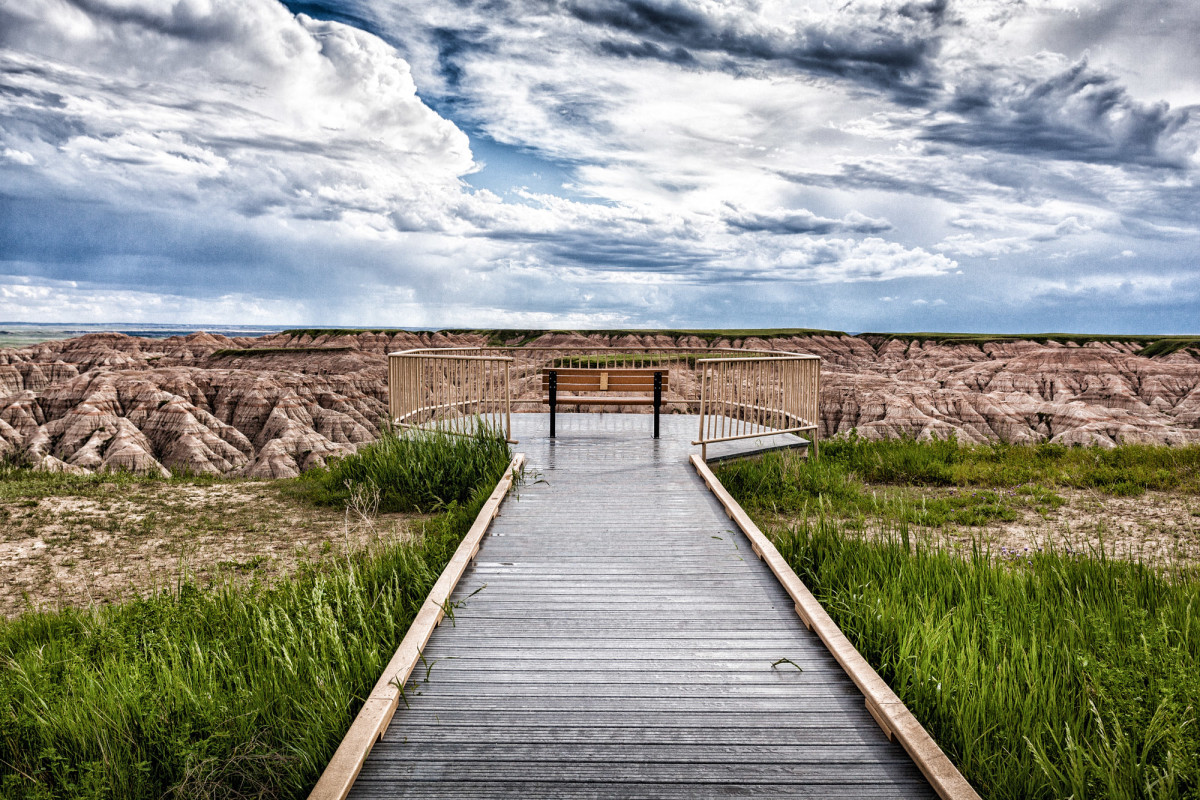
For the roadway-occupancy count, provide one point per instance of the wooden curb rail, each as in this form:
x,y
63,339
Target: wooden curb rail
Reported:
x,y
883,704
368,727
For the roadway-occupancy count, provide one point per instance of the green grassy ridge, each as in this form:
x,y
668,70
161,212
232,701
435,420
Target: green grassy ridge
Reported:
x,y
315,332
1152,345
1041,675
1164,347
258,352
499,337
229,692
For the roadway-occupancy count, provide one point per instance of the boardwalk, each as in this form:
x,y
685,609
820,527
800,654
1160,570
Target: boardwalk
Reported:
x,y
617,638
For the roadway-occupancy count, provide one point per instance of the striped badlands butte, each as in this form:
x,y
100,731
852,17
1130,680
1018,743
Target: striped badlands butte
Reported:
x,y
276,405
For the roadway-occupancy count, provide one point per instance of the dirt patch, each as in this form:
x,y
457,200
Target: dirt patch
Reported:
x,y
1155,527
106,546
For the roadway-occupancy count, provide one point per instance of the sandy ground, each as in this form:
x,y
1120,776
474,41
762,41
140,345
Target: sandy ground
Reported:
x,y
81,550
1156,527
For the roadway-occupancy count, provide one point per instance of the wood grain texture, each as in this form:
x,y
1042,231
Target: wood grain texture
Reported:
x,y
618,637
380,705
882,703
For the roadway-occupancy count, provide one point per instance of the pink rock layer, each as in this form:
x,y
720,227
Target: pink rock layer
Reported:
x,y
114,402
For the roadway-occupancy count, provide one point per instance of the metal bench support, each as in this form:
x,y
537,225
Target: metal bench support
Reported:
x,y
553,398
657,400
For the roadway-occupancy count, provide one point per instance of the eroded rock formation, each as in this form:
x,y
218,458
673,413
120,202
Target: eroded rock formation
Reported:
x,y
198,403
277,405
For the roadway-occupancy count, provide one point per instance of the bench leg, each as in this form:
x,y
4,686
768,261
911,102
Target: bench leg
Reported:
x,y
657,400
553,399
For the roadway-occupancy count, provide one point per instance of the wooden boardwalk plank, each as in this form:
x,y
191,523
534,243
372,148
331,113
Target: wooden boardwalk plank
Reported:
x,y
617,637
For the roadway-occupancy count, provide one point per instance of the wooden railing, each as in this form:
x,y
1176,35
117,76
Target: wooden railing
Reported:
x,y
455,390
757,395
738,394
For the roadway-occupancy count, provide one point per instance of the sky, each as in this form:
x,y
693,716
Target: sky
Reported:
x,y
928,165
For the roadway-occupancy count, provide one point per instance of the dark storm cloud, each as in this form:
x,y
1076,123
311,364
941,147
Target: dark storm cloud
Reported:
x,y
631,249
453,44
597,252
785,222
182,23
68,237
1078,114
870,177
645,49
890,51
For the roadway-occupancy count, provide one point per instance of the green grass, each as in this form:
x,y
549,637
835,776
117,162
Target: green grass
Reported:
x,y
1165,346
315,332
521,337
1042,675
19,482
1123,470
419,471
857,479
230,692
1151,345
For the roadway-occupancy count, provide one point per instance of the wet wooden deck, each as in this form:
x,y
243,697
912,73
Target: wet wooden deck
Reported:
x,y
617,638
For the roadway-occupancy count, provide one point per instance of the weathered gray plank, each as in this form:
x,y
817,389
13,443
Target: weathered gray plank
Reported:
x,y
873,771
615,638
457,789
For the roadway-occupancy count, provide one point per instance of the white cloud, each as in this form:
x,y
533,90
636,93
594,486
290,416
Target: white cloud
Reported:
x,y
38,300
232,149
18,157
228,104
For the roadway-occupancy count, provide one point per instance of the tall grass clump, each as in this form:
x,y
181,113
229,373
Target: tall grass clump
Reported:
x,y
417,470
856,478
784,484
1122,470
1053,676
231,692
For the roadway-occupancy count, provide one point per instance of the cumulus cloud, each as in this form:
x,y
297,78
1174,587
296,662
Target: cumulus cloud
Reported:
x,y
38,300
238,105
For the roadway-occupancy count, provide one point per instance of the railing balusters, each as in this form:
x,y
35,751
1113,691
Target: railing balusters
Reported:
x,y
740,393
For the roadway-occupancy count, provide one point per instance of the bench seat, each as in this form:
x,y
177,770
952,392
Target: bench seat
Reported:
x,y
615,382
605,401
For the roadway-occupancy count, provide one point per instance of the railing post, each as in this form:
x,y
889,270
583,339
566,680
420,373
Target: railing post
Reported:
x,y
507,403
553,398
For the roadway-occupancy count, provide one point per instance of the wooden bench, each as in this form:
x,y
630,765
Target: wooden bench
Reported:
x,y
607,385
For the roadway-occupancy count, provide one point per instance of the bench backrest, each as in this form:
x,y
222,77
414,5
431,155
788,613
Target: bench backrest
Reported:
x,y
603,379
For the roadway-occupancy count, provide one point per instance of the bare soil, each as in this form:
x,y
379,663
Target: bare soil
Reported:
x,y
96,547
1156,527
